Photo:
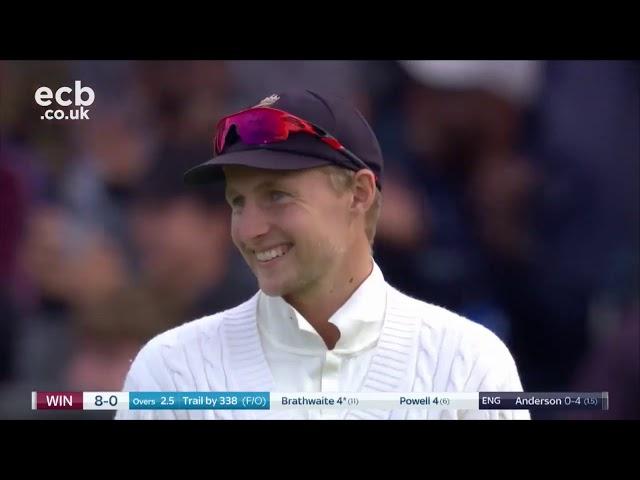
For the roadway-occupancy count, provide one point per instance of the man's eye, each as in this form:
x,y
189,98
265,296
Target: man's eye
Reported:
x,y
277,195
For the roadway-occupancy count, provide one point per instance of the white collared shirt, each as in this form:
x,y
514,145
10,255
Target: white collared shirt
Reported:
x,y
298,357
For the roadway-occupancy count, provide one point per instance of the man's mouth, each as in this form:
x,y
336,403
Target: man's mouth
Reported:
x,y
272,253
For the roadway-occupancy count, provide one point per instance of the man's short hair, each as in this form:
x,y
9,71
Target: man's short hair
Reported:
x,y
343,180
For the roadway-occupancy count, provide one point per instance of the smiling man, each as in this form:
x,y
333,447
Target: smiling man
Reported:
x,y
303,177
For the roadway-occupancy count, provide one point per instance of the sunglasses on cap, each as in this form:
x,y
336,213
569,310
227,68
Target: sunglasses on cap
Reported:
x,y
264,125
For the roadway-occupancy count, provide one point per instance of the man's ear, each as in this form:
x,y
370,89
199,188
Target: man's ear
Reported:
x,y
364,190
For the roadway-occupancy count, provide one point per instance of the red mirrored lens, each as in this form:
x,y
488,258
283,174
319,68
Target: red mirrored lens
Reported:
x,y
255,126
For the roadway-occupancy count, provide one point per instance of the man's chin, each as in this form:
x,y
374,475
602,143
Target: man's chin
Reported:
x,y
271,289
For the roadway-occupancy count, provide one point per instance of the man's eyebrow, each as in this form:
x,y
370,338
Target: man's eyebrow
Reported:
x,y
267,184
231,192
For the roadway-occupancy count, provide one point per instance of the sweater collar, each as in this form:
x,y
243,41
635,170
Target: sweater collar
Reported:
x,y
390,369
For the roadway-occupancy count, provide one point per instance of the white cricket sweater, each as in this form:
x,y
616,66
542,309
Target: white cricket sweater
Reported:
x,y
421,348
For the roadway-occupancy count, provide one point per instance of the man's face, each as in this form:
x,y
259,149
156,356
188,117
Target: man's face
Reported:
x,y
292,228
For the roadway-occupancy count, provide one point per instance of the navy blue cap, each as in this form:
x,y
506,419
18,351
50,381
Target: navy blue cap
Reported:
x,y
335,115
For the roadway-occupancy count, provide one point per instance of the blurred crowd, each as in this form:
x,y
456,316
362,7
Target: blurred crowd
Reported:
x,y
511,196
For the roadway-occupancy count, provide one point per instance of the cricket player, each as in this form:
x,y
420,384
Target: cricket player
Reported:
x,y
304,180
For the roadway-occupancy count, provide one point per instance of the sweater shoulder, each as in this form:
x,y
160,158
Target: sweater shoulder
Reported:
x,y
437,319
449,343
190,332
176,359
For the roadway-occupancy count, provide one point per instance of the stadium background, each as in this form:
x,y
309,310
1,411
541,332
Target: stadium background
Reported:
x,y
511,196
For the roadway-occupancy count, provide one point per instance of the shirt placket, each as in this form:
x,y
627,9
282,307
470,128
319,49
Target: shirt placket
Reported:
x,y
330,381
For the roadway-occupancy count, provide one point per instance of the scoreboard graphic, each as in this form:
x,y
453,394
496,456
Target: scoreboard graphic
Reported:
x,y
319,400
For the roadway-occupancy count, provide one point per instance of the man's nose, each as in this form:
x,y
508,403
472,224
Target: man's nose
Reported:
x,y
250,224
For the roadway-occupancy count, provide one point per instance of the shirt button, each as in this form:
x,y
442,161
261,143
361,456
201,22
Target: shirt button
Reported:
x,y
330,371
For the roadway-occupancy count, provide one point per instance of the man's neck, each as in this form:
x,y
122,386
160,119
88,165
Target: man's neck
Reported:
x,y
319,304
